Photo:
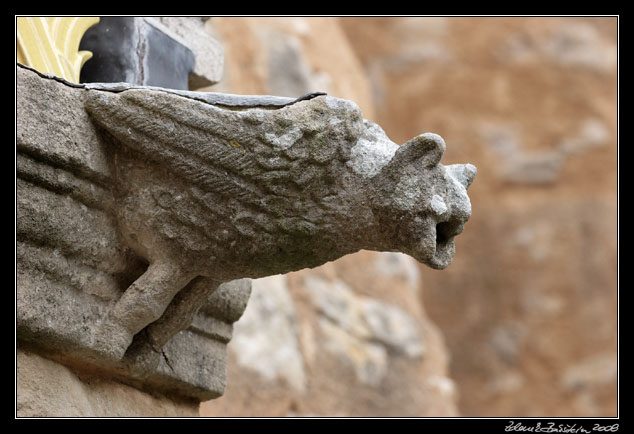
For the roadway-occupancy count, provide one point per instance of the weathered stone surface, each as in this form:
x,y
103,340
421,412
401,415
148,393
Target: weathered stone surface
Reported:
x,y
73,264
207,190
48,389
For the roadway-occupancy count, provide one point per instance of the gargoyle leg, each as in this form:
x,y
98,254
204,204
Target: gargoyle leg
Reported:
x,y
144,353
180,313
142,303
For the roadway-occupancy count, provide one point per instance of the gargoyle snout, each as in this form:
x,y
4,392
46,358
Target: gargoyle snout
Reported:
x,y
449,212
459,177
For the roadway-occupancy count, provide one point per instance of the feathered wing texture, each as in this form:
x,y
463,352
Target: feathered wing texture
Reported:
x,y
276,166
178,138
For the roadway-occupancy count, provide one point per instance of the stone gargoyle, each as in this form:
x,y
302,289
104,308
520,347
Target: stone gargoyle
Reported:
x,y
220,187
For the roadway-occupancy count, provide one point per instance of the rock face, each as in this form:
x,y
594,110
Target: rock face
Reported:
x,y
348,338
528,311
530,308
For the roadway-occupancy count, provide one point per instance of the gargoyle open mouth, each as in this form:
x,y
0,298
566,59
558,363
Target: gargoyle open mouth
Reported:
x,y
445,231
436,246
445,246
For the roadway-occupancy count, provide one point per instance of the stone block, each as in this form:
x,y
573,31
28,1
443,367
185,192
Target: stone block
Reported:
x,y
49,389
136,50
209,53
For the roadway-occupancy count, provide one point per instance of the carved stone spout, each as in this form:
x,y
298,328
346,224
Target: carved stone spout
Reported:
x,y
220,187
142,212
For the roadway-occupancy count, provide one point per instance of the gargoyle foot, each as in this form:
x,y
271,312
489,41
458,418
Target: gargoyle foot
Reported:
x,y
142,358
141,304
145,352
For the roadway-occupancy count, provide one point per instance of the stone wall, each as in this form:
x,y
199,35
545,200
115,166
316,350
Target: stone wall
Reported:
x,y
528,308
346,339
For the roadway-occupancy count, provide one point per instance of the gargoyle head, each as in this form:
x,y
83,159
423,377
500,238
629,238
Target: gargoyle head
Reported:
x,y
427,200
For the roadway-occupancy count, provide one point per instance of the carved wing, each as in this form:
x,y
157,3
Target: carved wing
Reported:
x,y
259,157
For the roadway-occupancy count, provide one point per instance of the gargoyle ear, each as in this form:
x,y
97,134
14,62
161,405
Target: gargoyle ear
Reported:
x,y
463,173
428,148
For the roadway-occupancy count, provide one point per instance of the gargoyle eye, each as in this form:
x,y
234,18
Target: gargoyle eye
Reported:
x,y
438,205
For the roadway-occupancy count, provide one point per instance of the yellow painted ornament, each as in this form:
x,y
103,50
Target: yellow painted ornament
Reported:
x,y
51,44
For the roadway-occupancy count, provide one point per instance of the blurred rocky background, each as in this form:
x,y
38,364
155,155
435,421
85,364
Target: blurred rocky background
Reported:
x,y
524,322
